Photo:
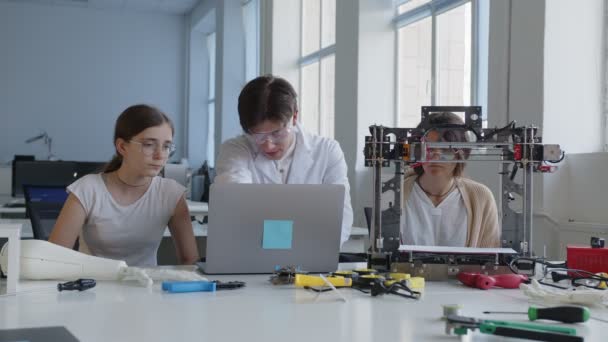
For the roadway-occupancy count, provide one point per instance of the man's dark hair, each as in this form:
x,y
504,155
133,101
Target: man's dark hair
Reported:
x,y
266,98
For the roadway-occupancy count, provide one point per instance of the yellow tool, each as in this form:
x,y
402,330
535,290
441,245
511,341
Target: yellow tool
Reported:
x,y
395,277
303,280
416,283
602,284
399,276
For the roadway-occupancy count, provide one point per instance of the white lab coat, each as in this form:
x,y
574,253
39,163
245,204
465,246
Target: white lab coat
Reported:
x,y
316,160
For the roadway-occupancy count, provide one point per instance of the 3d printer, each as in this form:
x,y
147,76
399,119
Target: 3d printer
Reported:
x,y
515,148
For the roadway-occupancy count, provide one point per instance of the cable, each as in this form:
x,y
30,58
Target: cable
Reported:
x,y
378,288
552,285
510,125
560,159
532,262
317,290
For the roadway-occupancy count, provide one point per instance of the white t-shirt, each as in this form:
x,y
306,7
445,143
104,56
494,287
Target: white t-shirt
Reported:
x,y
427,225
131,233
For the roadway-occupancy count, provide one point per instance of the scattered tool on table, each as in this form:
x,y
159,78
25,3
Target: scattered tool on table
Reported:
x,y
564,314
80,285
460,325
484,281
200,286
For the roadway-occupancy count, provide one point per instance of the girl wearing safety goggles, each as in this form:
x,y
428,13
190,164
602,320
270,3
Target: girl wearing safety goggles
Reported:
x,y
441,206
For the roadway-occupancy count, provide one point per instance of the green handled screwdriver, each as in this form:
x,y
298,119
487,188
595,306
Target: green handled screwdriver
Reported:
x,y
565,314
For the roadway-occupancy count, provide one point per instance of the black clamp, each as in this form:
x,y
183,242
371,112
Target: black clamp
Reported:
x,y
80,285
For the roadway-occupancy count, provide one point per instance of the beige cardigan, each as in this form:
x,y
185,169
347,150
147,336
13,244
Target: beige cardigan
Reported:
x,y
483,227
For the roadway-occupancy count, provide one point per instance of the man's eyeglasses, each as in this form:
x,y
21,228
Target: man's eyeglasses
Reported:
x,y
149,147
275,137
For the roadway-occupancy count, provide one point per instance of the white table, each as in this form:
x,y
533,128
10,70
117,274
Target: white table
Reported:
x,y
259,312
6,199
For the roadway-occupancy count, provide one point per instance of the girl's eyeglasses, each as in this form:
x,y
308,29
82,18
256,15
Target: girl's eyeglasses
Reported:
x,y
148,148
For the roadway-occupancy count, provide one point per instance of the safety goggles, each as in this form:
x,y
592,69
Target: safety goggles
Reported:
x,y
441,139
582,278
274,137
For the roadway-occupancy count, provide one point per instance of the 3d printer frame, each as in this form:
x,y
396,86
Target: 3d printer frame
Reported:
x,y
513,147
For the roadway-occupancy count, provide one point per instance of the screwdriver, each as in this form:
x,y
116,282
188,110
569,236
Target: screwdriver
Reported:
x,y
565,314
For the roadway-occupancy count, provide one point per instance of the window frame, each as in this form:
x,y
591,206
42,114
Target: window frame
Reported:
x,y
211,100
433,9
315,57
249,74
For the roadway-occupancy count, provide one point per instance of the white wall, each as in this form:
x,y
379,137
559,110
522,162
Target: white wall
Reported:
x,y
573,74
581,189
71,71
573,112
576,196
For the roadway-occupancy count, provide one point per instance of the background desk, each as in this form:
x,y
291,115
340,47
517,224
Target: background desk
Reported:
x,y
197,209
259,312
166,252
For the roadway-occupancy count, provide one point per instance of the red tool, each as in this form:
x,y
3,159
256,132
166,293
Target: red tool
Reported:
x,y
484,282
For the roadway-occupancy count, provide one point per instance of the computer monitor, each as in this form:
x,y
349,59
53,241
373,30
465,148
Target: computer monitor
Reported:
x,y
41,173
85,168
49,173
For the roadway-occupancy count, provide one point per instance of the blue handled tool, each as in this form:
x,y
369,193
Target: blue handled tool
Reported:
x,y
188,286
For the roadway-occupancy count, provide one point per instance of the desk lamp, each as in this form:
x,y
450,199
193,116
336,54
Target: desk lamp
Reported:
x,y
48,141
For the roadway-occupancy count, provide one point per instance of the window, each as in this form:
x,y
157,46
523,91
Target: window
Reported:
x,y
434,63
211,100
317,66
251,26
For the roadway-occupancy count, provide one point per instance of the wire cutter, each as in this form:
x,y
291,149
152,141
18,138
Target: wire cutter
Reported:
x,y
460,325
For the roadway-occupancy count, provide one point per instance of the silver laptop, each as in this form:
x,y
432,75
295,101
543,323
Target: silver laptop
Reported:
x,y
253,228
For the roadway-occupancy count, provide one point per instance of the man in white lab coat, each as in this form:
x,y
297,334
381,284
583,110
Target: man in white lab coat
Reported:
x,y
275,149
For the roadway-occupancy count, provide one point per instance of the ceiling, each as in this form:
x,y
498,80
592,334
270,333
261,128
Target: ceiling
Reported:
x,y
177,7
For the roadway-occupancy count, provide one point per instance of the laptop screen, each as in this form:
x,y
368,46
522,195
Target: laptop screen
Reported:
x,y
46,194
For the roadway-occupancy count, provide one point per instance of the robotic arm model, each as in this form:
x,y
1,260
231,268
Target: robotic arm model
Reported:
x,y
42,260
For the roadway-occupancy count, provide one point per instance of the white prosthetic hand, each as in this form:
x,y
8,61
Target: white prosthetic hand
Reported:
x,y
42,260
582,296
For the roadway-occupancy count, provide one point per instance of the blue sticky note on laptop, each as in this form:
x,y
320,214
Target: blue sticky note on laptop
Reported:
x,y
277,234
